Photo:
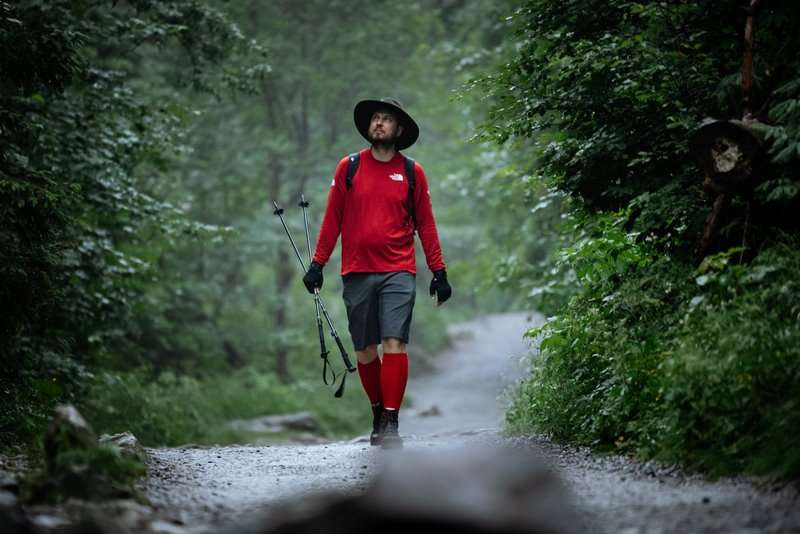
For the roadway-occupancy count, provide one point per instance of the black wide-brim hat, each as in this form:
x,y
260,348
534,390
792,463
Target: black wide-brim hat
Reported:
x,y
362,114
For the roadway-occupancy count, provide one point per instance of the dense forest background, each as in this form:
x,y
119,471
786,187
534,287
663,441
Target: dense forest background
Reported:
x,y
145,278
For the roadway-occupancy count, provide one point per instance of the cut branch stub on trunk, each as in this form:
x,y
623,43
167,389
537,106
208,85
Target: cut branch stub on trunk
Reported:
x,y
729,153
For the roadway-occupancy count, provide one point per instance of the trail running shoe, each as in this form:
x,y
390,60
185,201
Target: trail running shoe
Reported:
x,y
390,437
375,437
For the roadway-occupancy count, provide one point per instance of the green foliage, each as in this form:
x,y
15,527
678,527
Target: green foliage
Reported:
x,y
610,96
594,377
733,400
591,83
76,134
604,251
656,355
98,472
522,262
105,459
677,365
177,409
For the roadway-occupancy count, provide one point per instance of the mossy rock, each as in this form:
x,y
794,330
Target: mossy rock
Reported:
x,y
128,445
76,465
67,431
99,473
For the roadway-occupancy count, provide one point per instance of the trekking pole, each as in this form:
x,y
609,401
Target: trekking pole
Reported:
x,y
348,364
323,351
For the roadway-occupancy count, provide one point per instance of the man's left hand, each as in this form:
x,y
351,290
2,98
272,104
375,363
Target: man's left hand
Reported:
x,y
440,287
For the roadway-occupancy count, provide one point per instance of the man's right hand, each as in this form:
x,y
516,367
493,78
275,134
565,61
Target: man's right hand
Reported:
x,y
313,277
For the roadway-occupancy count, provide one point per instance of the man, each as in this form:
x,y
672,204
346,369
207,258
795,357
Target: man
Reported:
x,y
376,212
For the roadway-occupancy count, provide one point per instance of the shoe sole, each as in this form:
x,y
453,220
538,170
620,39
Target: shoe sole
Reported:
x,y
375,440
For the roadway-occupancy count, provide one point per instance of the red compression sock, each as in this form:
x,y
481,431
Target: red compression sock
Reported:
x,y
370,374
394,375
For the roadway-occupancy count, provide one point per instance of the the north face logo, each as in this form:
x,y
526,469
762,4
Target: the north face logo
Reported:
x,y
396,177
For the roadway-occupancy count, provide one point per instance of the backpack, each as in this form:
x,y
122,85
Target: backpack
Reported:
x,y
352,167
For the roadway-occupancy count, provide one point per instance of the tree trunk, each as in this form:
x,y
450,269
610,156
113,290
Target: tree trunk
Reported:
x,y
747,60
283,277
721,204
288,109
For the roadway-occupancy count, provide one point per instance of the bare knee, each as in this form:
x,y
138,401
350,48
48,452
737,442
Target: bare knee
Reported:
x,y
393,344
367,355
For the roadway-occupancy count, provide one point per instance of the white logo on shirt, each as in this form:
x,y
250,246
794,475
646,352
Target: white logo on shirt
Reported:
x,y
333,182
396,177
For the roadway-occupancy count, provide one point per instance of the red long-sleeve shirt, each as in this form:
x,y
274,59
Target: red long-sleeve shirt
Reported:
x,y
372,217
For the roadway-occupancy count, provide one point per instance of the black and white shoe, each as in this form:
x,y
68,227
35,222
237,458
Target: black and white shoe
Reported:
x,y
375,436
390,436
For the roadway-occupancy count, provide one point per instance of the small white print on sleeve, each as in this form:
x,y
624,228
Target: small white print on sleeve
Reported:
x,y
333,182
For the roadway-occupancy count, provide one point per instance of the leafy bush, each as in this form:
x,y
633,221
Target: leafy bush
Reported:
x,y
78,135
655,355
734,373
697,366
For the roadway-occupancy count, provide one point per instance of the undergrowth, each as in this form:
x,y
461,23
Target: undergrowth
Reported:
x,y
178,409
667,361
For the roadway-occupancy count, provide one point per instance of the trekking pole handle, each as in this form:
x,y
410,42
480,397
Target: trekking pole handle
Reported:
x,y
304,204
322,349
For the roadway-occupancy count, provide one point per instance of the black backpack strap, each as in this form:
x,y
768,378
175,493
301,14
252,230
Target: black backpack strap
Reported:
x,y
352,167
412,182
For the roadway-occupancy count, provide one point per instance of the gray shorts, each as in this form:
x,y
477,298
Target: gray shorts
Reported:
x,y
378,305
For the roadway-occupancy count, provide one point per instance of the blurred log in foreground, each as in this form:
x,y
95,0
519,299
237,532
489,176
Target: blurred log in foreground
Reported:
x,y
466,490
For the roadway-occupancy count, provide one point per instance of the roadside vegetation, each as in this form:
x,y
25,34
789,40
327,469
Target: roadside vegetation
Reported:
x,y
178,409
657,347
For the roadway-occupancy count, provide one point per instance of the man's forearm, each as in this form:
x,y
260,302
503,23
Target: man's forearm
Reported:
x,y
429,238
325,245
330,228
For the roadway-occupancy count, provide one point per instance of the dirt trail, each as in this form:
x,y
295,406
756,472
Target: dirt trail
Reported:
x,y
468,379
209,487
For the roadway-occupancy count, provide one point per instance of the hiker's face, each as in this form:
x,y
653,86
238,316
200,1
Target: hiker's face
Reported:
x,y
383,127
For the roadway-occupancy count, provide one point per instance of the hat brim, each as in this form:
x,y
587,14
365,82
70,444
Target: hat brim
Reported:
x,y
362,115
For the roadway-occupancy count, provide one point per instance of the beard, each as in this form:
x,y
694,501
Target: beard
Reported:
x,y
383,143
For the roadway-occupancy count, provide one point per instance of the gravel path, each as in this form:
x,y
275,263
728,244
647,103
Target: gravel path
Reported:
x,y
205,488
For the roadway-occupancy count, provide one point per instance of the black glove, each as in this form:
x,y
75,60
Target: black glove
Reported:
x,y
313,277
440,287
